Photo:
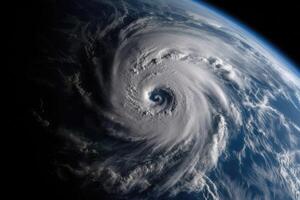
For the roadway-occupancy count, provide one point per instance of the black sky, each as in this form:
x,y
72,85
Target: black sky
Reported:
x,y
278,22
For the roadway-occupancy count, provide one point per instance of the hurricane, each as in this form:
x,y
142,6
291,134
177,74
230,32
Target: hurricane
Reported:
x,y
163,97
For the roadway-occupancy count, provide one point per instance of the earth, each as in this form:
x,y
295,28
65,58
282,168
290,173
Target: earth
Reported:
x,y
165,100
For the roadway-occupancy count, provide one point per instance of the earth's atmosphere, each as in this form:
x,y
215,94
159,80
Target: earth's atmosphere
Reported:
x,y
166,100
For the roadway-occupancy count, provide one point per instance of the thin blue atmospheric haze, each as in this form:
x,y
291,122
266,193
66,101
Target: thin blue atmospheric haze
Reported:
x,y
254,35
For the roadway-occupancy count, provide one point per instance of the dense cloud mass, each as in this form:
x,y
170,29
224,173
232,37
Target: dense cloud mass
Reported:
x,y
168,97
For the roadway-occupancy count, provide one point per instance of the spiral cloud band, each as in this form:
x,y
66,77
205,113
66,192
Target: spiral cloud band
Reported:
x,y
169,97
164,91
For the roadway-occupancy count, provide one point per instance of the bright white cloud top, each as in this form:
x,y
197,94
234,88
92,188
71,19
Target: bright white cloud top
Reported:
x,y
183,101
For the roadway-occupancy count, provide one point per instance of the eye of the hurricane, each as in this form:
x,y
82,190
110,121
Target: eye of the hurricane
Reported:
x,y
161,99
